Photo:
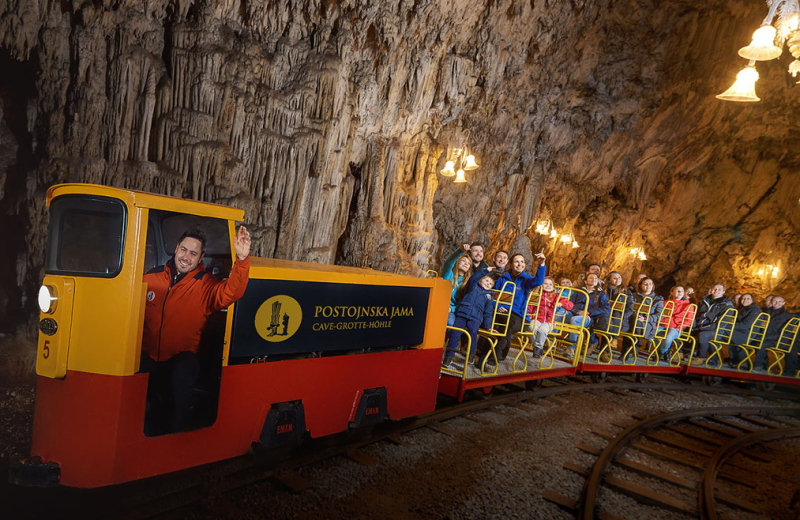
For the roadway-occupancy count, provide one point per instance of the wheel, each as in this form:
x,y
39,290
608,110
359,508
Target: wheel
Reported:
x,y
765,386
481,393
712,380
533,384
642,377
599,377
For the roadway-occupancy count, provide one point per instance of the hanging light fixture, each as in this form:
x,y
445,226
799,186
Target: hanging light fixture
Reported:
x,y
767,44
448,170
642,256
543,227
553,233
744,88
459,161
566,238
575,244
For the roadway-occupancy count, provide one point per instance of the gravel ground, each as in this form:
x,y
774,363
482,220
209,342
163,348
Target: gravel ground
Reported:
x,y
497,466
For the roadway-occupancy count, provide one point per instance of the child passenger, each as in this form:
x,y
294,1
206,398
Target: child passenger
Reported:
x,y
543,318
474,310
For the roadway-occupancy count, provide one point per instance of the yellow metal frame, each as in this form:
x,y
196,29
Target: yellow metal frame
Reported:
x,y
637,333
503,298
607,337
684,337
463,372
661,333
430,273
563,328
525,336
755,338
784,345
722,336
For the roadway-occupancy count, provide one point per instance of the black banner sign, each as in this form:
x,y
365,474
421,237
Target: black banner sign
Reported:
x,y
279,317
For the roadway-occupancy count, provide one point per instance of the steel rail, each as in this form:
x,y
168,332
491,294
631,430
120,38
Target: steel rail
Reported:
x,y
591,486
708,507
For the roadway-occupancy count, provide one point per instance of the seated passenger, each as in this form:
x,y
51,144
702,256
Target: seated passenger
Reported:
x,y
736,300
709,312
475,308
690,295
524,283
457,270
635,287
614,285
681,307
592,268
778,318
597,310
748,312
768,302
548,304
644,290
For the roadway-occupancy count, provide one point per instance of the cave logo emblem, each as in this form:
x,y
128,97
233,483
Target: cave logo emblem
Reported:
x,y
278,318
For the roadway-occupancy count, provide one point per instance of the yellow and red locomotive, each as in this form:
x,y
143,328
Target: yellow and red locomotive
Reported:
x,y
308,350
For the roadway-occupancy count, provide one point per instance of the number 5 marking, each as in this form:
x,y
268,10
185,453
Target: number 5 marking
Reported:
x,y
46,349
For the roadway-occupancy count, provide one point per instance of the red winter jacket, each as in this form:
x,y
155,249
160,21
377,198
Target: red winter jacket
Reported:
x,y
175,315
681,308
547,307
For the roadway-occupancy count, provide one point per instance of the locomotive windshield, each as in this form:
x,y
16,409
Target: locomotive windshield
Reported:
x,y
86,236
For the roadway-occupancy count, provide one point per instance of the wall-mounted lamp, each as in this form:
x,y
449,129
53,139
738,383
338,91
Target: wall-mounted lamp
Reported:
x,y
460,161
638,252
767,44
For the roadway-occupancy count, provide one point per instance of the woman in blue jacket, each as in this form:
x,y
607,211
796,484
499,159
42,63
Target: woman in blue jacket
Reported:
x,y
524,283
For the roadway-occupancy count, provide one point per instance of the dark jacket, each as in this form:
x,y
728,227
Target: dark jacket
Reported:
x,y
656,306
613,292
710,311
477,303
778,318
741,329
598,303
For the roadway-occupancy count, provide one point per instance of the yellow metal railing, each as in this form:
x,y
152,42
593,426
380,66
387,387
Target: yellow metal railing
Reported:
x,y
526,336
754,341
661,333
463,371
722,336
558,333
641,313
501,317
608,337
685,337
784,346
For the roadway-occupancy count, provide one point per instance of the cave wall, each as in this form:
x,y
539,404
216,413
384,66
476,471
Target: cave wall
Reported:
x,y
327,122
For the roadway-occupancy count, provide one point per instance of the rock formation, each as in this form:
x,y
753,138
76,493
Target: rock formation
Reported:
x,y
328,121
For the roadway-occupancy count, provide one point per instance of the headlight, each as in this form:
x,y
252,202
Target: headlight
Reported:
x,y
47,299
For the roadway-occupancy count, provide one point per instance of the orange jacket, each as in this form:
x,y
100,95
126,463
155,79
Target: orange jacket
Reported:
x,y
175,315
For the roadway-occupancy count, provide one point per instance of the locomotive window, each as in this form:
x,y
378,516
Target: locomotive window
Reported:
x,y
86,236
216,230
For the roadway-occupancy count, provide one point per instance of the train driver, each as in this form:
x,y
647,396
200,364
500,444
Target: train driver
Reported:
x,y
180,297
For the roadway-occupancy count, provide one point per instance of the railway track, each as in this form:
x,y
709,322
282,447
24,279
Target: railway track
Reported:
x,y
714,443
211,484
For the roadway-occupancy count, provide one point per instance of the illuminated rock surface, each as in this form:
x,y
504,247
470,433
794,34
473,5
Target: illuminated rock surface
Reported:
x,y
327,122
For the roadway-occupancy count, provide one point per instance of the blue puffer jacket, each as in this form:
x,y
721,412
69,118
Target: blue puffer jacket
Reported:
x,y
525,283
476,304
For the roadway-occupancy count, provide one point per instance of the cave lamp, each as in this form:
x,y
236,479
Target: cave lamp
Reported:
x,y
760,272
744,88
448,170
642,256
470,163
575,244
775,272
460,176
566,238
543,227
780,26
553,233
